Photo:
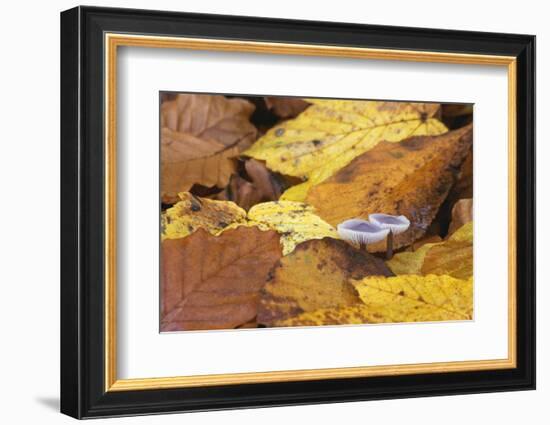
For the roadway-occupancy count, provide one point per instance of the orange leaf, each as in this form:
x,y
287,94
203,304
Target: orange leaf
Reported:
x,y
411,178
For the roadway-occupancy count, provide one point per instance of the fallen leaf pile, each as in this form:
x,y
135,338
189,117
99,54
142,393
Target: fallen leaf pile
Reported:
x,y
253,189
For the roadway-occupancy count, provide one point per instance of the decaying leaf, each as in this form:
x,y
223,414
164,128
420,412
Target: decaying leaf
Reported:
x,y
356,314
452,257
314,276
331,133
263,186
411,178
285,107
213,282
463,234
294,221
413,298
192,213
409,262
455,259
201,134
461,214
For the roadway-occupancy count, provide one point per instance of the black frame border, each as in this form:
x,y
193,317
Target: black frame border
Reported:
x,y
82,207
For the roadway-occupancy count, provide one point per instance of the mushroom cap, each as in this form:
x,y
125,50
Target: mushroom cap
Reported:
x,y
361,231
396,223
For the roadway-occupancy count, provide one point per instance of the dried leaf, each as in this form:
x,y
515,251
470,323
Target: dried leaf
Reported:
x,y
264,186
200,136
413,298
213,282
285,107
452,257
357,314
409,262
411,178
455,259
331,133
294,221
464,234
461,214
314,276
192,213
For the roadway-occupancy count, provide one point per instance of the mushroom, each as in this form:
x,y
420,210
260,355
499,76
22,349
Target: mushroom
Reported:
x,y
396,224
361,232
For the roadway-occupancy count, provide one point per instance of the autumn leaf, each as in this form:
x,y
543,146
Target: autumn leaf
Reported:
x,y
452,257
413,298
192,213
461,214
411,178
263,186
331,133
285,107
314,276
213,282
463,234
201,134
296,222
356,314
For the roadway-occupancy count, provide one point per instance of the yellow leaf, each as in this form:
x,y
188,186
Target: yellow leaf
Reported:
x,y
331,133
192,213
294,221
316,275
357,314
413,298
411,178
464,233
453,257
409,262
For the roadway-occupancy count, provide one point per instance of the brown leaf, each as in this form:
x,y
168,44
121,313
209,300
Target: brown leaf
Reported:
x,y
201,134
285,107
315,276
462,213
212,282
264,187
410,178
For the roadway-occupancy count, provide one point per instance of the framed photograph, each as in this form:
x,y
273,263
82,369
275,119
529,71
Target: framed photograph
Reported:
x,y
261,212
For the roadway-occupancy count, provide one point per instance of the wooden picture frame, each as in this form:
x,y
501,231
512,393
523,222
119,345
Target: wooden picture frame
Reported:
x,y
90,39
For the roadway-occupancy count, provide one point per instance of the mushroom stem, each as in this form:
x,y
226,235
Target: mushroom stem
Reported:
x,y
362,246
389,246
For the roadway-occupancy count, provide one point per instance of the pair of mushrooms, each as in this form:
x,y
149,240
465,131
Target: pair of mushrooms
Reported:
x,y
377,228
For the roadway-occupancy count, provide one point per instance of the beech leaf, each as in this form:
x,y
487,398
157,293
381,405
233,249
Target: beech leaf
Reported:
x,y
453,257
296,222
213,282
411,178
192,213
201,134
314,276
413,298
331,133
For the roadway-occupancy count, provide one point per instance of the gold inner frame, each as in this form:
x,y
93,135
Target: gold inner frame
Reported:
x,y
113,41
